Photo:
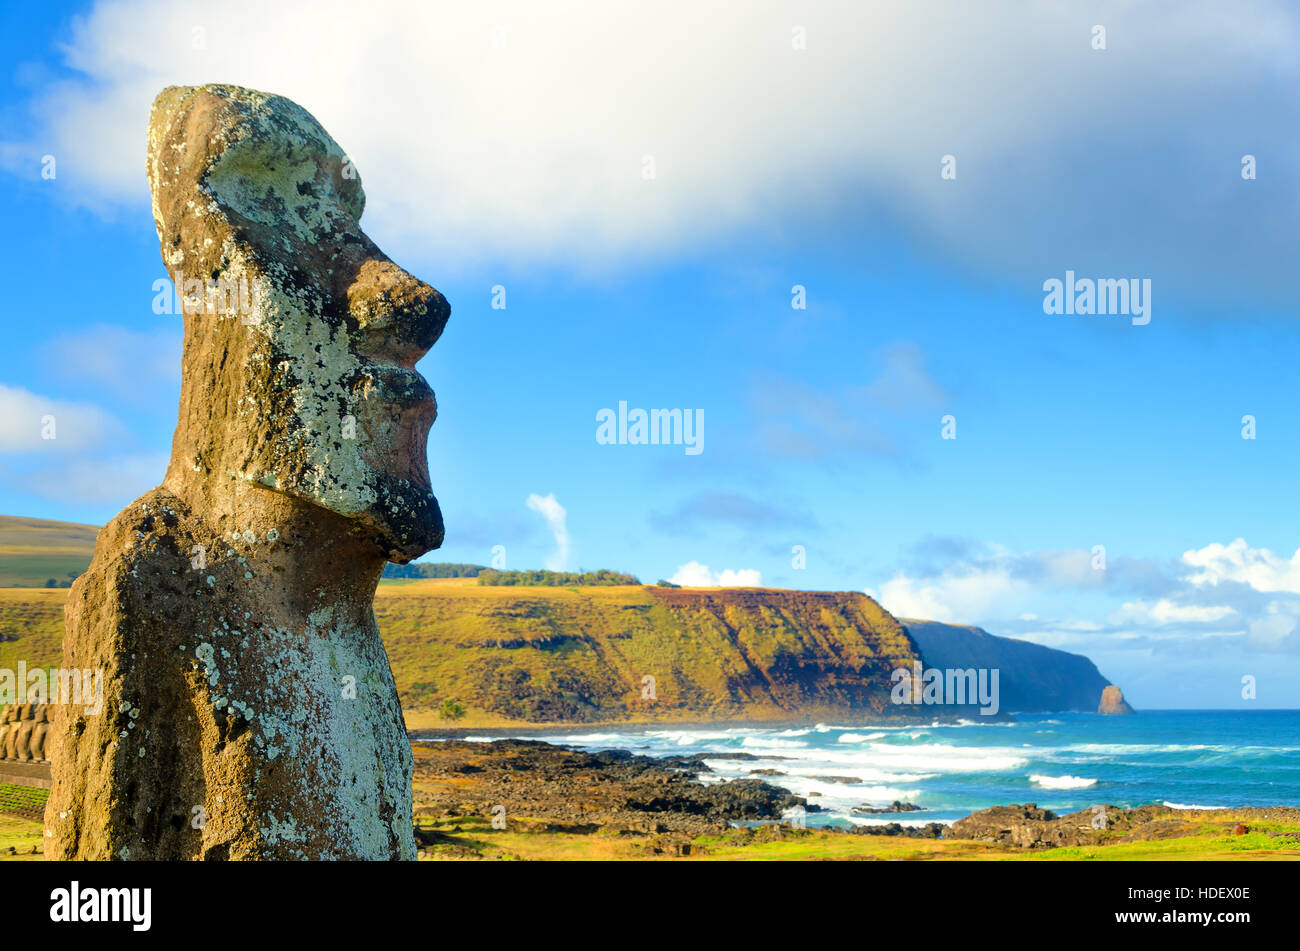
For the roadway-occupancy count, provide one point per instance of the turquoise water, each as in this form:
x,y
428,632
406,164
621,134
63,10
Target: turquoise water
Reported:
x,y
1061,761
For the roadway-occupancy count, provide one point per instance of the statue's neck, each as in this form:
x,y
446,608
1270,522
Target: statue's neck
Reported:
x,y
302,556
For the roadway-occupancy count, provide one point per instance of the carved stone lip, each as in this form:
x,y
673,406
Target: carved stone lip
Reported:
x,y
405,389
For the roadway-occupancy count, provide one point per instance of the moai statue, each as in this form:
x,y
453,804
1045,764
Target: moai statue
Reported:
x,y
11,735
231,609
40,753
5,713
27,721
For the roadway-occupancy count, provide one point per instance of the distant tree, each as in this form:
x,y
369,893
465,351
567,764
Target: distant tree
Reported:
x,y
451,710
51,583
434,570
555,579
666,584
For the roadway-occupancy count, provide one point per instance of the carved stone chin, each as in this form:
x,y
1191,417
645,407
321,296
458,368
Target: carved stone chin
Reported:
x,y
250,711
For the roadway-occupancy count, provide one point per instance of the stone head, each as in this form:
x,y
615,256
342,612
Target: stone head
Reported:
x,y
301,336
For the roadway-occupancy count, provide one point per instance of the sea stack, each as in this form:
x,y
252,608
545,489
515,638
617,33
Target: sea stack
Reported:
x,y
1113,702
249,710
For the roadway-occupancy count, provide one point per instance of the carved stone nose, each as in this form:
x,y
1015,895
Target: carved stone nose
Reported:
x,y
399,316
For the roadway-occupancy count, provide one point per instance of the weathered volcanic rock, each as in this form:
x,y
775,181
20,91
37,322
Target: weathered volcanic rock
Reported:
x,y
249,708
1028,827
571,788
1113,702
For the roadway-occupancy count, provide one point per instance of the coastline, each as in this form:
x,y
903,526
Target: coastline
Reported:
x,y
531,799
849,719
526,798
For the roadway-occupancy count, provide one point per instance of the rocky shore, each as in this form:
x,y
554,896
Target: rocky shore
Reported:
x,y
527,799
541,797
548,788
579,790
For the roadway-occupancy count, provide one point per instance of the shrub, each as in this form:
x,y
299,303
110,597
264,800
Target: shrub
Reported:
x,y
451,710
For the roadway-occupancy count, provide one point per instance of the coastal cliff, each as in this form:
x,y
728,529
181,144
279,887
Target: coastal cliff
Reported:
x,y
639,653
1033,678
631,653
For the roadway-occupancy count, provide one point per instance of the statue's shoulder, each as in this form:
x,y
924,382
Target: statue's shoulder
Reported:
x,y
157,524
154,543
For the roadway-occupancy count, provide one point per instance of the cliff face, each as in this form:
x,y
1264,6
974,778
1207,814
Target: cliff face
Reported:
x,y
581,655
1033,678
643,653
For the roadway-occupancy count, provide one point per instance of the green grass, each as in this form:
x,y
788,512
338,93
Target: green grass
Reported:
x,y
21,835
28,801
523,655
33,550
1253,845
31,627
516,655
473,837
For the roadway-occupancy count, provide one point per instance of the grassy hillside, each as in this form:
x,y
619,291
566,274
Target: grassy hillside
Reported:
x,y
529,649
33,550
31,627
581,655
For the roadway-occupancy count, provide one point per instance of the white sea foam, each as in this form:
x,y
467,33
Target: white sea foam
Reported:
x,y
1119,749
690,737
940,758
896,727
770,742
1183,805
887,820
1062,782
858,737
589,739
834,796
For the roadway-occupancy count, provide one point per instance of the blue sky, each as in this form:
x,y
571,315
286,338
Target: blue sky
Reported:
x,y
500,148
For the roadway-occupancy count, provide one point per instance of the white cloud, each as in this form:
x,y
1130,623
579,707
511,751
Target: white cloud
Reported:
x,y
532,148
112,483
1257,567
27,420
961,594
1275,626
1232,594
1164,611
695,575
129,363
556,520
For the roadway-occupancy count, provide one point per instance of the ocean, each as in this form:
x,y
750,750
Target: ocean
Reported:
x,y
1061,761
